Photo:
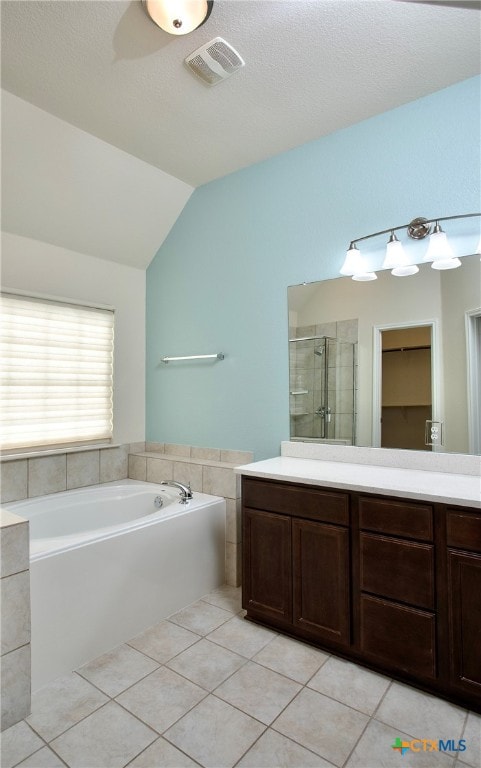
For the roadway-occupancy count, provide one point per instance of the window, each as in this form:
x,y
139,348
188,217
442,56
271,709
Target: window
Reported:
x,y
56,373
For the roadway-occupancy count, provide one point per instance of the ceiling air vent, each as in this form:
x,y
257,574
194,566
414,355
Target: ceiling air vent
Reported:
x,y
214,61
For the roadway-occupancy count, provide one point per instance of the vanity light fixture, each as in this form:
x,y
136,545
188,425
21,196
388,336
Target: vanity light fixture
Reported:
x,y
355,265
397,260
178,17
439,252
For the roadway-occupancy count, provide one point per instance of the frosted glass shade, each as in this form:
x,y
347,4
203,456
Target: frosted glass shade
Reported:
x,y
438,248
177,17
397,260
355,266
352,263
446,263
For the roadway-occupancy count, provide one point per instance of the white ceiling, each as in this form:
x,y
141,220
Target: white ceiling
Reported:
x,y
61,185
311,68
105,132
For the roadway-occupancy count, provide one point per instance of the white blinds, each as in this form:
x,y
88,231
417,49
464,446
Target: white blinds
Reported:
x,y
56,372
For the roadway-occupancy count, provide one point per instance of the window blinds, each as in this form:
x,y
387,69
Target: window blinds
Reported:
x,y
56,372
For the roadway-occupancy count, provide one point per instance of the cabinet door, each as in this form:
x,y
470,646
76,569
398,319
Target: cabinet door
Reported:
x,y
321,580
267,571
464,573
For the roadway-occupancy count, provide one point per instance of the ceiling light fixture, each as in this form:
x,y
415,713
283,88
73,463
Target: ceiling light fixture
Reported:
x,y
439,252
178,17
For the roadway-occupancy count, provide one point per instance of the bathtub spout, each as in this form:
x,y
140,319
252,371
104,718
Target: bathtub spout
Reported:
x,y
185,491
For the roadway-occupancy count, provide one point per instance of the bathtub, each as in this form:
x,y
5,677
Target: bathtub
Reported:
x,y
105,565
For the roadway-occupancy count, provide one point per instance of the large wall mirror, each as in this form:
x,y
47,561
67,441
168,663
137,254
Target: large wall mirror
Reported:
x,y
395,362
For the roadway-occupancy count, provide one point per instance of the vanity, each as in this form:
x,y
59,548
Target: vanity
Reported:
x,y
378,564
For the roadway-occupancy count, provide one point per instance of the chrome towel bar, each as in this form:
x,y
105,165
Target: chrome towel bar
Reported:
x,y
218,356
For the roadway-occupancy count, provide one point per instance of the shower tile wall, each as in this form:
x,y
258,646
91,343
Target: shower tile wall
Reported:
x,y
306,380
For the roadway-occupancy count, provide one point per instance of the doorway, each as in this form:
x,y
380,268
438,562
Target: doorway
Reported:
x,y
473,340
404,396
406,401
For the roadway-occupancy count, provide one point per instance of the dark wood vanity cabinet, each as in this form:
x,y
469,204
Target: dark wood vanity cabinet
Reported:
x,y
267,582
296,559
464,597
320,569
397,585
391,583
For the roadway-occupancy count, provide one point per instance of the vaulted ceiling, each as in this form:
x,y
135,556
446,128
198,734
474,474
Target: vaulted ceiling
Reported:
x,y
312,67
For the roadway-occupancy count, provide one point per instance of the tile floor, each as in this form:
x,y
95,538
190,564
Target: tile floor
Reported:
x,y
207,688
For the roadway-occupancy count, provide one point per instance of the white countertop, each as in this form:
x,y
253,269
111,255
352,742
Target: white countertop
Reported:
x,y
443,487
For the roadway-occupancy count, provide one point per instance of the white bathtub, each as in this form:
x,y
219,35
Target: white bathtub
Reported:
x,y
106,565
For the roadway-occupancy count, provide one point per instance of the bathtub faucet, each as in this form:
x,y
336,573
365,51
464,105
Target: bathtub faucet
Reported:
x,y
185,491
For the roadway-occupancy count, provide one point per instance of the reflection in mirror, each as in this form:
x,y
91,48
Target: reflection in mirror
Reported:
x,y
406,393
322,382
336,395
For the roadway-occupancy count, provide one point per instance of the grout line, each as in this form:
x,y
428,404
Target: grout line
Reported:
x,y
374,713
45,744
167,742
354,746
114,697
151,727
207,692
57,755
199,685
463,731
163,663
69,728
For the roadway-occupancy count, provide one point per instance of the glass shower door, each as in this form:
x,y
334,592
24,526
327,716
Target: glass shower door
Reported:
x,y
322,388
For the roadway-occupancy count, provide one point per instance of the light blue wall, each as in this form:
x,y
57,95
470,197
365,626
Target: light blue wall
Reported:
x,y
219,282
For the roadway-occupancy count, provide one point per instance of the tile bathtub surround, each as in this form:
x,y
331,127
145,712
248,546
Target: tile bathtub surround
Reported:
x,y
208,470
114,463
15,619
83,468
14,480
47,474
207,688
40,475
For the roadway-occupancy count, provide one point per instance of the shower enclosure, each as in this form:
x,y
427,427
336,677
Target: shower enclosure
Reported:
x,y
322,389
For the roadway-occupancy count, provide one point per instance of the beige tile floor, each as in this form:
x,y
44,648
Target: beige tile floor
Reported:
x,y
207,688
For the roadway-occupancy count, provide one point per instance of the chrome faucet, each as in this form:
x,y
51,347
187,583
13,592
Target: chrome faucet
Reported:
x,y
185,490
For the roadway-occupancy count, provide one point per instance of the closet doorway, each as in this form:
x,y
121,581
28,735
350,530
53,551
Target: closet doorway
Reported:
x,y
404,403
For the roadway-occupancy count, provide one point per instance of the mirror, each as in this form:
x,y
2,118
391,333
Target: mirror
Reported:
x,y
342,332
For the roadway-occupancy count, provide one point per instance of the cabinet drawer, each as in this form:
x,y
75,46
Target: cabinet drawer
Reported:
x,y
403,638
312,504
464,530
400,570
399,518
